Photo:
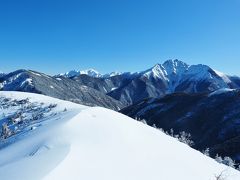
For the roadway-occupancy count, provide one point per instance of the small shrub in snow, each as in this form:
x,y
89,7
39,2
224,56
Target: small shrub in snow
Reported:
x,y
154,125
218,158
182,136
23,114
229,162
143,121
171,132
185,138
206,152
6,132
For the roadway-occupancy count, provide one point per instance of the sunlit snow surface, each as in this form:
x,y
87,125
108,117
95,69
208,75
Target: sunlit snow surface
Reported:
x,y
95,143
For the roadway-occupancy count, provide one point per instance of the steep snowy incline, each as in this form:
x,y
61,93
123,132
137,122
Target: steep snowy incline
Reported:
x,y
102,144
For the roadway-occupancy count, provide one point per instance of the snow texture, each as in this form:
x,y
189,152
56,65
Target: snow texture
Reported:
x,y
96,143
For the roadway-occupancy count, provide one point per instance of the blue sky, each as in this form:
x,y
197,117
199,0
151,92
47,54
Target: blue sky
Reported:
x,y
55,36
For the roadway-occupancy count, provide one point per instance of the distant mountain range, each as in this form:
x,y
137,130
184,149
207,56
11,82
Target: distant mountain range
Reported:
x,y
169,77
58,87
89,72
116,90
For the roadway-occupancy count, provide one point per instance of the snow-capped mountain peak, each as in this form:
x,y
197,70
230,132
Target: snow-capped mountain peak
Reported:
x,y
114,73
71,73
175,66
157,71
166,70
91,72
223,76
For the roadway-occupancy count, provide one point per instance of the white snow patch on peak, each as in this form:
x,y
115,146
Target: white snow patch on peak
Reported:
x,y
91,72
70,73
115,73
159,71
221,91
175,66
199,72
168,70
223,76
156,71
27,81
37,74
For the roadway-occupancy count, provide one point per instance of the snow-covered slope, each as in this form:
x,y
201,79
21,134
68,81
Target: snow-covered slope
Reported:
x,y
212,119
95,143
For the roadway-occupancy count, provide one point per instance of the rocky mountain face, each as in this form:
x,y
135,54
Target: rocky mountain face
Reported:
x,y
170,77
104,85
58,87
213,119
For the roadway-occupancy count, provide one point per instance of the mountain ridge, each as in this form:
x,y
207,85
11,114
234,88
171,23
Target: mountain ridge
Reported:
x,y
128,88
58,87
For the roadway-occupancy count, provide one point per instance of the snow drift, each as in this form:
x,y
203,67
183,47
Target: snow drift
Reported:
x,y
95,143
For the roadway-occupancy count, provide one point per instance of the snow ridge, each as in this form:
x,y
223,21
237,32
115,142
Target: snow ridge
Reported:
x,y
112,145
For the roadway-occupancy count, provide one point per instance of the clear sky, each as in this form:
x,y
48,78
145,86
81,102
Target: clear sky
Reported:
x,y
55,36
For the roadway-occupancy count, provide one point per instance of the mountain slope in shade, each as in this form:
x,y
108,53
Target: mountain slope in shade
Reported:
x,y
58,87
104,85
96,143
212,119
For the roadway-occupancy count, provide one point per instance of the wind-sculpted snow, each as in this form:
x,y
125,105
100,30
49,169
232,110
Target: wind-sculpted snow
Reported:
x,y
95,143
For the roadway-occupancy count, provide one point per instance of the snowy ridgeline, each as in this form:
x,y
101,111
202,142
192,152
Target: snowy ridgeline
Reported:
x,y
96,143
